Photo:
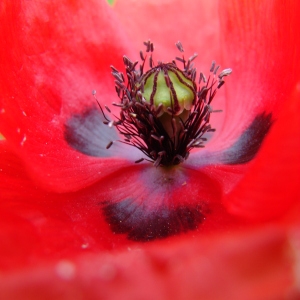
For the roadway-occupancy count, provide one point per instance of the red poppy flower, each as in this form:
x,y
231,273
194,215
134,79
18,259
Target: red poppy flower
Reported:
x,y
76,218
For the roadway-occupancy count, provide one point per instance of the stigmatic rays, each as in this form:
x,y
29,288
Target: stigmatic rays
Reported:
x,y
164,112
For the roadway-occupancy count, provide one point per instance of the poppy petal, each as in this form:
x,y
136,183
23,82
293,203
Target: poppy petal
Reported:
x,y
53,56
257,264
260,43
165,22
271,186
243,150
37,225
256,86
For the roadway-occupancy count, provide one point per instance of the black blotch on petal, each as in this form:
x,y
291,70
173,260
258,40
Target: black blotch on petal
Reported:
x,y
87,134
248,144
142,225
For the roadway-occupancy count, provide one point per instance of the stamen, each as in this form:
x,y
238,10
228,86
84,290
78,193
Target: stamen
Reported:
x,y
179,46
216,70
151,62
151,47
127,61
118,77
212,66
109,145
225,72
220,83
142,55
180,59
202,77
107,108
193,57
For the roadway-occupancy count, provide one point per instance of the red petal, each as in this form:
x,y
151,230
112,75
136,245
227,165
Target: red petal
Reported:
x,y
37,225
249,265
271,185
52,57
55,239
146,204
194,23
260,42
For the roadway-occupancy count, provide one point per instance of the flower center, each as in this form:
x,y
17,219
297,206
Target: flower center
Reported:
x,y
163,112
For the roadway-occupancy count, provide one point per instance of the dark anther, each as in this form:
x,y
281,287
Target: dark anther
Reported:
x,y
225,72
216,70
109,145
139,160
142,55
212,66
179,46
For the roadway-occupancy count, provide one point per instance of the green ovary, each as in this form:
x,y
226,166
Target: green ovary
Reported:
x,y
163,93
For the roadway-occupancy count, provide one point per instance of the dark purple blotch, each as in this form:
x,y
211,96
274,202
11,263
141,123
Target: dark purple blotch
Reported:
x,y
140,224
248,144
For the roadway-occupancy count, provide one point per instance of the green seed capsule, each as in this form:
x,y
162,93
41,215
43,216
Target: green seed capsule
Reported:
x,y
167,85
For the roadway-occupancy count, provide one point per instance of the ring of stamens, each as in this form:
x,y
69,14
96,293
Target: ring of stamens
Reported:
x,y
140,121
